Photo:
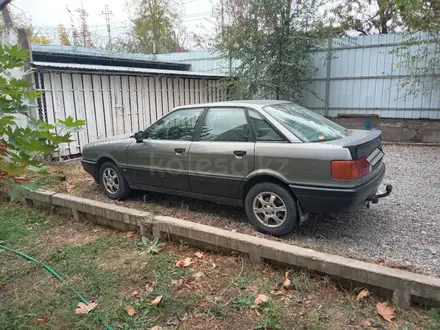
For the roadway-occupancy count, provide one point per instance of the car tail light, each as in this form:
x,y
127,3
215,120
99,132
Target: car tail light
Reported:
x,y
350,169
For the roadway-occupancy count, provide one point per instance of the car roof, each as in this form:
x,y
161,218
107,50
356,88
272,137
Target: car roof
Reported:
x,y
242,103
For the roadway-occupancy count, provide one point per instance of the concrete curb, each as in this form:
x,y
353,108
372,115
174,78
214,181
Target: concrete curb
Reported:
x,y
405,285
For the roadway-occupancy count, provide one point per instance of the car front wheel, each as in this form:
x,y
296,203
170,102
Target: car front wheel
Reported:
x,y
112,181
271,208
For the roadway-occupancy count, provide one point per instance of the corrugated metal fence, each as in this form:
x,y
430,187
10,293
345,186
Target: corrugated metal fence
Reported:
x,y
355,75
114,104
364,75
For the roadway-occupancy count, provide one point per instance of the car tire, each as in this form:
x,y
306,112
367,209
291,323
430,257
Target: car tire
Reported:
x,y
112,181
269,200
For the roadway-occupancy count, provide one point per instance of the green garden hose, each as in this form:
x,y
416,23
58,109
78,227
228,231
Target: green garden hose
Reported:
x,y
56,275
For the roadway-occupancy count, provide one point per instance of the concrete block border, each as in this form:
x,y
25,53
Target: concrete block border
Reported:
x,y
405,285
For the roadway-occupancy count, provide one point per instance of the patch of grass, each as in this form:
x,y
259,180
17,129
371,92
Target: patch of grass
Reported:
x,y
301,281
243,302
272,317
243,282
218,310
107,267
434,315
317,321
20,225
267,284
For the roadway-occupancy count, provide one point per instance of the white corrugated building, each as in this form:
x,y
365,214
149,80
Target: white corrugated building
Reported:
x,y
116,93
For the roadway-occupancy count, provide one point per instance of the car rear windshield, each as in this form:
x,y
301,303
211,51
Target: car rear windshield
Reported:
x,y
305,124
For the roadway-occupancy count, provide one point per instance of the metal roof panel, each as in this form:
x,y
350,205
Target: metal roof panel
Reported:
x,y
90,67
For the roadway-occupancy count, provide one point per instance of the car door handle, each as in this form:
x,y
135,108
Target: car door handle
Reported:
x,y
239,153
179,150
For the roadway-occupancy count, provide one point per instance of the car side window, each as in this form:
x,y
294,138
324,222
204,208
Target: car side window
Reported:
x,y
264,131
178,125
225,124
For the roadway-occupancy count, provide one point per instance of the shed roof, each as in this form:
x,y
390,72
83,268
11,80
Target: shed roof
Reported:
x,y
122,69
83,55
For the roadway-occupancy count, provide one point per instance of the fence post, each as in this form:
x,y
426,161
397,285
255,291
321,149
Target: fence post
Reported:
x,y
327,80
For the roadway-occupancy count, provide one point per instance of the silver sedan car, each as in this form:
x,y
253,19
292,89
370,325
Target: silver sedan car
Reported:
x,y
277,159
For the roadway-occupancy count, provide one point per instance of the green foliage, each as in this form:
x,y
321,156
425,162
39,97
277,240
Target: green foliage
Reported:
x,y
18,227
419,56
367,17
434,314
38,39
244,302
153,28
23,139
272,40
150,246
420,15
272,317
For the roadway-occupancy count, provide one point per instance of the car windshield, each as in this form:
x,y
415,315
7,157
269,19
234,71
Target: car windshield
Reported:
x,y
305,124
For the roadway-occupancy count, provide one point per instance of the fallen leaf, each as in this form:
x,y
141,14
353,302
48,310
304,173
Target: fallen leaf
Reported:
x,y
130,310
386,311
197,276
130,234
41,321
156,327
184,262
260,299
135,293
287,284
366,323
173,321
149,287
160,246
364,293
198,254
177,283
157,300
85,309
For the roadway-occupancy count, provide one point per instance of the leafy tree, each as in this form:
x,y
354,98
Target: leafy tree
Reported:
x,y
419,56
63,36
421,15
153,28
24,140
81,34
272,40
367,17
37,38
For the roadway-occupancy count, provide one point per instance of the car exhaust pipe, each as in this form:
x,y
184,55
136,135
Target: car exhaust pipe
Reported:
x,y
374,199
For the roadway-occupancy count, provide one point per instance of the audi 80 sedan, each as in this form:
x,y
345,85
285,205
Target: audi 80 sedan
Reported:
x,y
279,160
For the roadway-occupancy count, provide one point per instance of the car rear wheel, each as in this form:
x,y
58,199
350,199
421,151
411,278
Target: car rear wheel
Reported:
x,y
271,208
112,181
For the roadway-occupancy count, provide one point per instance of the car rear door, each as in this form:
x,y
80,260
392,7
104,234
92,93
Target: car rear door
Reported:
x,y
223,154
161,159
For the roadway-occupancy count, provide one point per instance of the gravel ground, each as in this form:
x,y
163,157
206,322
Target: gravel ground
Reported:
x,y
402,231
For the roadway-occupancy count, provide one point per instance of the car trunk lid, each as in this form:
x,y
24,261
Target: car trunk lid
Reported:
x,y
362,144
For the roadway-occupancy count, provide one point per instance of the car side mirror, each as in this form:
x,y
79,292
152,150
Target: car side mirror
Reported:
x,y
139,136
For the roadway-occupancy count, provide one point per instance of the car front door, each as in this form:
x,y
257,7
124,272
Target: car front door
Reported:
x,y
161,159
223,153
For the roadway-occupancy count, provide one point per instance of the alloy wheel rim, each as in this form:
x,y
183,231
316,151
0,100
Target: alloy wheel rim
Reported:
x,y
111,181
269,209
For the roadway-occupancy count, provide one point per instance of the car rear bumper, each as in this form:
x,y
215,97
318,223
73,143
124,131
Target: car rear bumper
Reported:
x,y
336,200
